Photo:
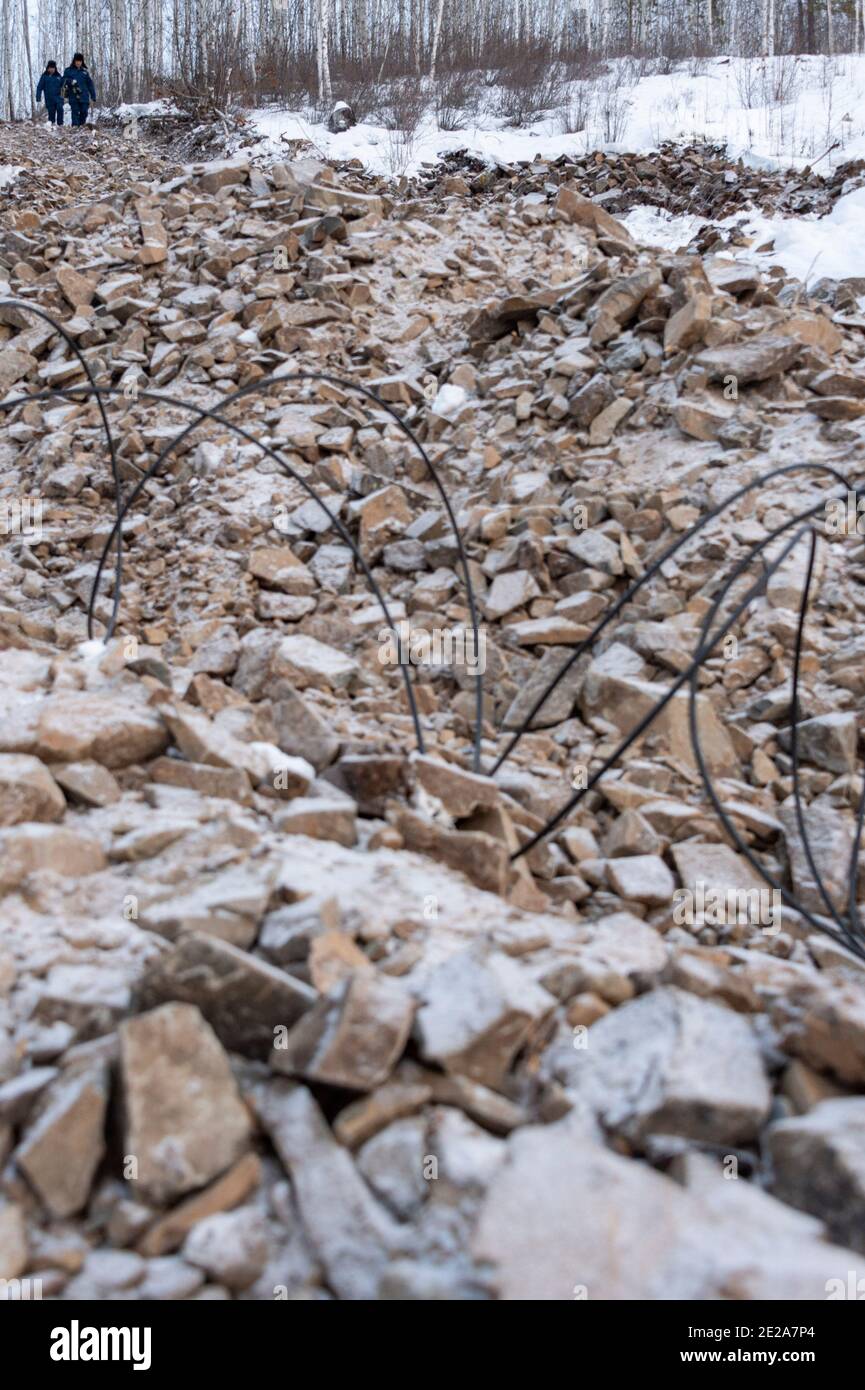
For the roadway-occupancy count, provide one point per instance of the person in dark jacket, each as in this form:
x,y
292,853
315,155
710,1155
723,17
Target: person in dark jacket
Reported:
x,y
79,89
50,86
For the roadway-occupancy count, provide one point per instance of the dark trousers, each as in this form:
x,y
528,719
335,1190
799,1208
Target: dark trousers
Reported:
x,y
79,111
55,112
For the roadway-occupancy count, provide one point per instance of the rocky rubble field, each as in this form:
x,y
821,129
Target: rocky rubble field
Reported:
x,y
697,179
280,1016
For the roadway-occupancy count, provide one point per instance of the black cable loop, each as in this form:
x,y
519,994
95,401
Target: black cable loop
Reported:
x,y
115,470
212,413
838,929
846,938
650,573
641,726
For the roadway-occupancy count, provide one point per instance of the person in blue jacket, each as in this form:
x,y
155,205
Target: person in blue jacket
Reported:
x,y
50,86
79,89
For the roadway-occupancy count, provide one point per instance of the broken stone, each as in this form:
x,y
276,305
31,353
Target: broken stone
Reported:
x,y
393,1164
246,1001
625,1231
25,849
828,741
509,591
643,878
185,1122
64,1143
697,1073
350,1232
353,1037
756,359
478,1009
818,1164
230,1246
482,858
364,1118
169,1232
28,792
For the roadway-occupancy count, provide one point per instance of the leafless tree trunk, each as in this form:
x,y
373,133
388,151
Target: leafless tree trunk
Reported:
x,y
25,28
325,91
830,28
769,28
435,39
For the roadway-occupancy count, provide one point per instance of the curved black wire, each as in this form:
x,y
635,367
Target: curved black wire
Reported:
x,y
275,379
205,413
106,425
635,588
848,934
642,725
244,434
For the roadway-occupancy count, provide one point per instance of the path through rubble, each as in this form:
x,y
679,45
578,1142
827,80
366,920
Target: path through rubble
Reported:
x,y
280,1014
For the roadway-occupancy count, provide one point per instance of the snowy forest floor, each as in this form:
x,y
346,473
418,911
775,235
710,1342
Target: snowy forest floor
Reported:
x,y
779,112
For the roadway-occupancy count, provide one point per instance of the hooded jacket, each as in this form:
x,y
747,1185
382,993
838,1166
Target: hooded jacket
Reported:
x,y
85,82
49,87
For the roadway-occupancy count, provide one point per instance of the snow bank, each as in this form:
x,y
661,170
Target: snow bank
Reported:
x,y
809,248
8,172
773,113
656,227
127,109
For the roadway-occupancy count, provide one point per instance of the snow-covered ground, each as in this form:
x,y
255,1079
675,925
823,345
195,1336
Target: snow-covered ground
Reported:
x,y
809,248
8,172
772,113
129,109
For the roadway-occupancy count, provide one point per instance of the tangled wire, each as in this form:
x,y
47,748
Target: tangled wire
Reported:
x,y
843,925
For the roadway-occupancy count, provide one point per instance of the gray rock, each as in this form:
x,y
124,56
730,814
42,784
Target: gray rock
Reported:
x,y
819,1166
244,999
615,957
830,835
28,792
643,878
478,1008
393,1164
828,740
755,359
185,1121
591,399
559,705
597,551
230,1246
351,1233
564,1217
468,1156
671,1063
64,1143
300,729
353,1037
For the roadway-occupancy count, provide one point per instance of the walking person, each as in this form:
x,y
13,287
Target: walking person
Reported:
x,y
78,89
50,87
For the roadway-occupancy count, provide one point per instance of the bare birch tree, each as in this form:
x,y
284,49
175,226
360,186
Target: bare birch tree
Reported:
x,y
437,32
